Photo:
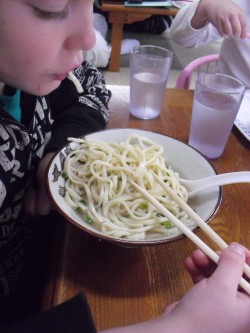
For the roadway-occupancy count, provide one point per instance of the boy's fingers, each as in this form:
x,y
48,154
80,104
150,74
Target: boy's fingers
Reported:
x,y
29,201
43,204
199,266
201,259
196,274
230,267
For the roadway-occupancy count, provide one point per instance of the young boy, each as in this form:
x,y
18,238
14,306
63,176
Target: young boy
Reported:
x,y
204,21
41,41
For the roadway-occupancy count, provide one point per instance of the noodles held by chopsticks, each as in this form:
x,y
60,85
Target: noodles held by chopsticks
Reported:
x,y
97,185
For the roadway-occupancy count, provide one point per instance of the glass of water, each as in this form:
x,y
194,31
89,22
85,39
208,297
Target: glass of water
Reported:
x,y
217,100
149,70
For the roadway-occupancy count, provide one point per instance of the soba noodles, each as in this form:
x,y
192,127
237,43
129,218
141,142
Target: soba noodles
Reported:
x,y
97,185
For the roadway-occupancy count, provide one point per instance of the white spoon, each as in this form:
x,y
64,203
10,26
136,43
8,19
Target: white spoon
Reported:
x,y
197,185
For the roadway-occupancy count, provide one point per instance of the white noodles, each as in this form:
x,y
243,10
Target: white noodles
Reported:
x,y
97,185
76,82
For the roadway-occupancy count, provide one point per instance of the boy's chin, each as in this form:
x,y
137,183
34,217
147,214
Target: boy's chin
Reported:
x,y
45,89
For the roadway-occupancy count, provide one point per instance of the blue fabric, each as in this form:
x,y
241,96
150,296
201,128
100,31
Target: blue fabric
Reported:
x,y
11,104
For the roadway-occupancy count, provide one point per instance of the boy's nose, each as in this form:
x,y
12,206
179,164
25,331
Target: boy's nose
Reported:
x,y
82,38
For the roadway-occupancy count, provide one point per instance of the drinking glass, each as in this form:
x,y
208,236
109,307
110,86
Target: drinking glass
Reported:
x,y
149,70
217,100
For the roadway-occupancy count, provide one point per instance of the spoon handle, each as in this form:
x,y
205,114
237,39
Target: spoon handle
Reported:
x,y
195,186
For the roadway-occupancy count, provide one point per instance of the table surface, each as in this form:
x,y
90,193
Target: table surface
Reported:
x,y
130,285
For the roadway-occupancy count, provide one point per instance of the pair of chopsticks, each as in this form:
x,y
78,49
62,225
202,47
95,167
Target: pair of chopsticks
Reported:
x,y
188,232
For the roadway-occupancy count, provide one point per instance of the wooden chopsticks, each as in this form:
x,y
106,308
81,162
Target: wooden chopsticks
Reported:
x,y
188,232
196,218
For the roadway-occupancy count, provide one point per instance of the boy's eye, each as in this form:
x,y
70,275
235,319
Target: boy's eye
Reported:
x,y
52,15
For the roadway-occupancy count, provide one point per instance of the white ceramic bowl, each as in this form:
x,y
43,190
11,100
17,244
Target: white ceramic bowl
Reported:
x,y
188,162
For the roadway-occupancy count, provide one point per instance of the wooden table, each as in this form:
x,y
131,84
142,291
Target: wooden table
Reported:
x,y
130,285
118,16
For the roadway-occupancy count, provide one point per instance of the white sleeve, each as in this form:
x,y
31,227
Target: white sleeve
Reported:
x,y
100,54
181,31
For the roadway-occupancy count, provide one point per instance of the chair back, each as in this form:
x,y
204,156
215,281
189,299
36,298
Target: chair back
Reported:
x,y
203,64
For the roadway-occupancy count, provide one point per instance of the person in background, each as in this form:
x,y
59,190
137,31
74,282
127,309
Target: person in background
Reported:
x,y
204,21
40,108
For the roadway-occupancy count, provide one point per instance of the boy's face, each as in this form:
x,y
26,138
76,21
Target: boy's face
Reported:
x,y
41,41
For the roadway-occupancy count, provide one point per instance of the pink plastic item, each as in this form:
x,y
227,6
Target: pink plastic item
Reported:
x,y
184,78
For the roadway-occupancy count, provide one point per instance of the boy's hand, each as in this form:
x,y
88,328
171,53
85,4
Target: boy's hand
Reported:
x,y
215,303
201,267
36,201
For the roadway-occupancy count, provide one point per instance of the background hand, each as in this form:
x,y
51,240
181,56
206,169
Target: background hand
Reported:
x,y
228,18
